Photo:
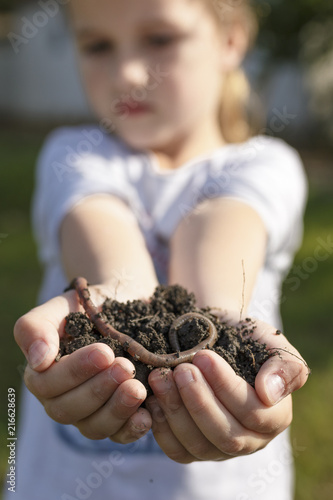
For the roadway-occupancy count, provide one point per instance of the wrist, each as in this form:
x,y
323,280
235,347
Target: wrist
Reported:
x,y
126,288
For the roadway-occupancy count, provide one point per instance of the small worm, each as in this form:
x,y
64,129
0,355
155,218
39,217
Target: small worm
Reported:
x,y
136,350
173,338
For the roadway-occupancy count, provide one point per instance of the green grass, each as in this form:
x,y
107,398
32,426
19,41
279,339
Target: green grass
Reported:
x,y
307,312
308,321
20,273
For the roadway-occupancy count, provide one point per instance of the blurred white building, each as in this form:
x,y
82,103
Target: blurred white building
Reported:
x,y
38,74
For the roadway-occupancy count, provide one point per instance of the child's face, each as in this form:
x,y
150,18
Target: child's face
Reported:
x,y
153,67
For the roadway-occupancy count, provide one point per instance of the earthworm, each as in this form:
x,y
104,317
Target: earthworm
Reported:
x,y
136,350
173,337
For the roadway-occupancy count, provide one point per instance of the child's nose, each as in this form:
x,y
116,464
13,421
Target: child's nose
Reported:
x,y
130,72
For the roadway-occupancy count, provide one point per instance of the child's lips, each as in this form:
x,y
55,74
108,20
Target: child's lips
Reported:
x,y
132,108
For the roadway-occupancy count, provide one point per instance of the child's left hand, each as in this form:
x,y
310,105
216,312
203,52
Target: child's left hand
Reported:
x,y
204,411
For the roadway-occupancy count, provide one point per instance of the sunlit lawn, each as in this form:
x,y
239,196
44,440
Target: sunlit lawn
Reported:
x,y
19,268
307,311
308,318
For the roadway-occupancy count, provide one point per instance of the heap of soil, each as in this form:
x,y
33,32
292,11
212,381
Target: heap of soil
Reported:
x,y
149,323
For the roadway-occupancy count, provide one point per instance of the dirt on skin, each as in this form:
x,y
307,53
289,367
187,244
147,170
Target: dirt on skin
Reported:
x,y
149,323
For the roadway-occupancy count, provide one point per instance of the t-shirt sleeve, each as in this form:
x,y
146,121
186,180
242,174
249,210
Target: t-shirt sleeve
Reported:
x,y
268,175
73,164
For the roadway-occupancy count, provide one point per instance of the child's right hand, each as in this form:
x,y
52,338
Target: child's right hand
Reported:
x,y
90,389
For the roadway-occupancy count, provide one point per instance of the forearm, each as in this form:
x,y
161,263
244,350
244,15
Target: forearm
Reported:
x,y
91,389
217,252
101,240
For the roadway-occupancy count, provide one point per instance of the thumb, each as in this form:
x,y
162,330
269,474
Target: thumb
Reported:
x,y
280,376
37,333
284,372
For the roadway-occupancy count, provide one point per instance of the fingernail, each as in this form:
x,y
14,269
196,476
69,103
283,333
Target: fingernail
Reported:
x,y
161,384
183,378
203,362
275,388
141,427
141,430
37,353
99,359
119,373
129,400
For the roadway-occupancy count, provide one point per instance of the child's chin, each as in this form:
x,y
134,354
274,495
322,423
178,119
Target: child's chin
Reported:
x,y
141,141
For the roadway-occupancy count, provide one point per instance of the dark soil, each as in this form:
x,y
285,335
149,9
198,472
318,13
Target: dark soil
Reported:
x,y
149,324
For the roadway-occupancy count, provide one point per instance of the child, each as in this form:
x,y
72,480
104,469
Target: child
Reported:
x,y
179,193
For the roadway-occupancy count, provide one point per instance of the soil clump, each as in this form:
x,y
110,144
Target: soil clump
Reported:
x,y
149,323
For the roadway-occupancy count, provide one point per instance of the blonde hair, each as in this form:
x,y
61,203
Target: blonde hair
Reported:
x,y
234,117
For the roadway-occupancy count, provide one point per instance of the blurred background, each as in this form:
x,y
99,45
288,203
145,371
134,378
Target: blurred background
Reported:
x,y
291,73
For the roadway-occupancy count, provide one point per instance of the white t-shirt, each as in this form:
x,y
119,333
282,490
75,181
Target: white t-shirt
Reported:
x,y
55,461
